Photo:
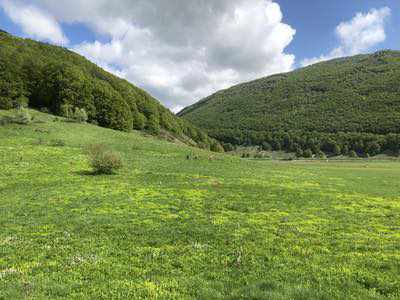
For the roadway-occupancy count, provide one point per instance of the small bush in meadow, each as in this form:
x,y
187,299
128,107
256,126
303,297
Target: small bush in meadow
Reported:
x,y
22,117
103,160
58,143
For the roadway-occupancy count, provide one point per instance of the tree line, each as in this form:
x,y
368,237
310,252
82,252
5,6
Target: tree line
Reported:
x,y
314,143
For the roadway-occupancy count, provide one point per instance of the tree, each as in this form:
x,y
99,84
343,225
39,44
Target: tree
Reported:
x,y
67,111
80,115
353,154
307,153
138,120
336,150
373,148
266,146
216,147
111,110
153,125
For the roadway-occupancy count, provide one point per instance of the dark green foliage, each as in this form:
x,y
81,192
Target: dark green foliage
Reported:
x,y
103,160
307,154
266,146
58,143
357,95
74,114
228,147
153,125
57,80
216,147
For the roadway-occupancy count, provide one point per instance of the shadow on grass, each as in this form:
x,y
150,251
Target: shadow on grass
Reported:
x,y
91,173
85,173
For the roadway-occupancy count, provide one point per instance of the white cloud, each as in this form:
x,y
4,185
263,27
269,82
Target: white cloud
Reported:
x,y
183,50
34,22
358,35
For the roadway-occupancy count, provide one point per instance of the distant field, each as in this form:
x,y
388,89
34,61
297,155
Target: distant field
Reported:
x,y
170,228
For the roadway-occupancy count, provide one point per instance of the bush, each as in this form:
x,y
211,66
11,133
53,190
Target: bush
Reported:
x,y
299,153
266,146
58,143
67,111
308,153
228,147
216,147
320,155
353,154
44,110
74,114
103,160
22,117
80,115
5,103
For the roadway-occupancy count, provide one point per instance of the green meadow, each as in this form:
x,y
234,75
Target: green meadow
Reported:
x,y
168,227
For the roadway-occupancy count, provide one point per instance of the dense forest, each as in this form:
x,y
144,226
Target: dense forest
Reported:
x,y
48,77
344,106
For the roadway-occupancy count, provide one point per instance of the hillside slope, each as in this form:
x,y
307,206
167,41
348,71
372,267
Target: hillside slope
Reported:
x,y
168,227
359,94
48,77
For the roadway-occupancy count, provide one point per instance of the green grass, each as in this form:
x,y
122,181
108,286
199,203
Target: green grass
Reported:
x,y
166,227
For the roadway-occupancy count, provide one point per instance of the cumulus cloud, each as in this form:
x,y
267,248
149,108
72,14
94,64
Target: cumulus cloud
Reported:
x,y
34,22
358,35
182,50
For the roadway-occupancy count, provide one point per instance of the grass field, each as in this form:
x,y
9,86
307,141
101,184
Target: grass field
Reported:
x,y
166,227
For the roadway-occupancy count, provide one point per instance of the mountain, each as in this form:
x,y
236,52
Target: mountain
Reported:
x,y
342,101
48,77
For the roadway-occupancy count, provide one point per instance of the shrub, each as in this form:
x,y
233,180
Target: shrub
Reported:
x,y
373,148
5,103
67,111
308,153
266,146
103,160
22,117
259,155
21,102
44,110
58,143
74,114
216,147
299,153
228,147
40,141
353,154
320,155
80,115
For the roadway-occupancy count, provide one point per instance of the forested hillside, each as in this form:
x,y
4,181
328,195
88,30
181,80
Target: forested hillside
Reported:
x,y
348,104
48,77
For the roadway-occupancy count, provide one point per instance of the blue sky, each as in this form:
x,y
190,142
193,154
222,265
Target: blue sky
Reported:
x,y
184,50
315,21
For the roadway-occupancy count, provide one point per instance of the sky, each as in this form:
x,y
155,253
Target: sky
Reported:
x,y
183,50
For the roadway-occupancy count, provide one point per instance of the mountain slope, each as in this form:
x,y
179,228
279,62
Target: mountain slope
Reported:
x,y
359,94
48,77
